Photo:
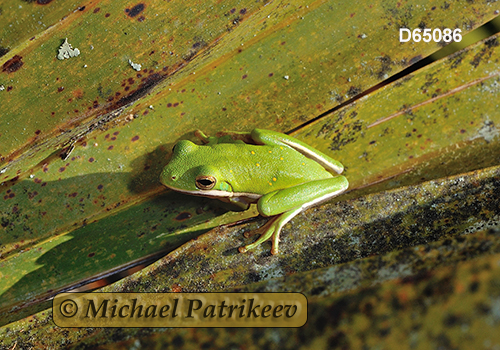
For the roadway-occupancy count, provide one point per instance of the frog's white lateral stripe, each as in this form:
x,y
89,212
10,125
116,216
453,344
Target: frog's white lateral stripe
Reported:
x,y
216,193
294,213
322,199
312,155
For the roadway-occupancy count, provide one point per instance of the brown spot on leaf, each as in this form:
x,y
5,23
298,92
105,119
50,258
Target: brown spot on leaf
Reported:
x,y
142,90
183,216
134,11
13,64
135,138
14,179
91,159
43,2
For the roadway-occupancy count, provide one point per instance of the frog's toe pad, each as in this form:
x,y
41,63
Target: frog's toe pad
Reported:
x,y
249,234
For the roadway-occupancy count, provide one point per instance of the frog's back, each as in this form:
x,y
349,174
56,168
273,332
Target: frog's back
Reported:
x,y
265,168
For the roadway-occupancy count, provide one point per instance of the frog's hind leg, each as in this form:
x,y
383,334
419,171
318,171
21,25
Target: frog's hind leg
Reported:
x,y
287,203
272,229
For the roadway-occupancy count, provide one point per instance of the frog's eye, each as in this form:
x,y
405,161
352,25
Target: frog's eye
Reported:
x,y
205,182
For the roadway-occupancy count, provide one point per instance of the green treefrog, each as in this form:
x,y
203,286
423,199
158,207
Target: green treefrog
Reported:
x,y
283,175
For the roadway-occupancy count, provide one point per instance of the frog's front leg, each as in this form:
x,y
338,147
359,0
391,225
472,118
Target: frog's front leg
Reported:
x,y
289,202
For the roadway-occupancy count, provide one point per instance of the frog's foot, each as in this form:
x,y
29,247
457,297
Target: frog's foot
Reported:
x,y
269,232
272,230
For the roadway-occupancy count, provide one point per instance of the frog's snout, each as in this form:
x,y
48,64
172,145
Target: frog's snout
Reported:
x,y
168,177
173,178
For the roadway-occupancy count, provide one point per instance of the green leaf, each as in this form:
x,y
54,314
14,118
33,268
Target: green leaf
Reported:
x,y
229,65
